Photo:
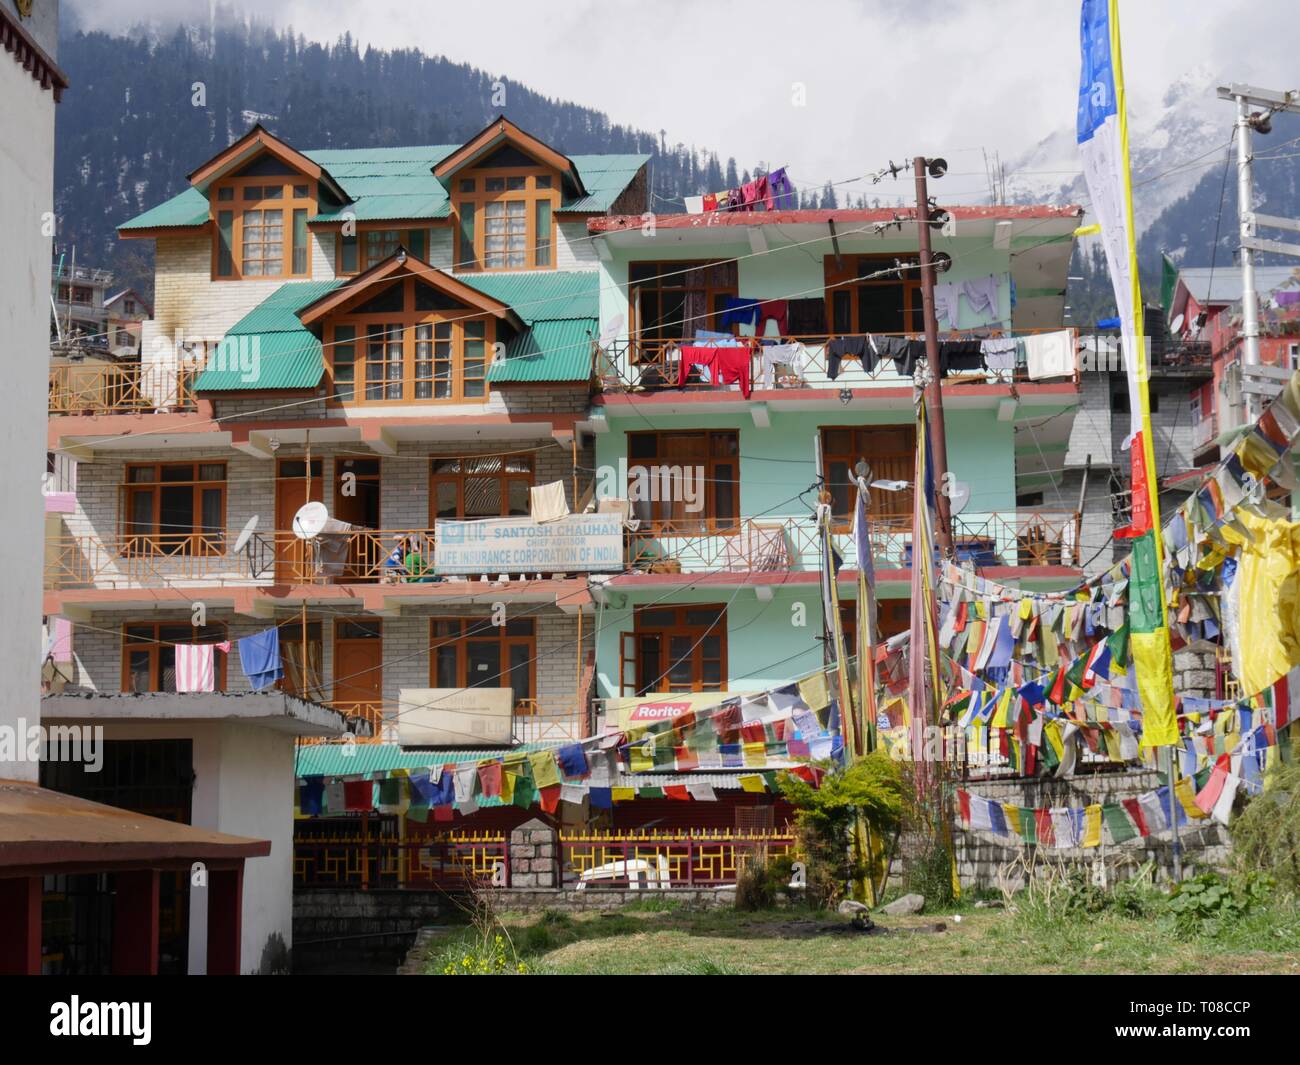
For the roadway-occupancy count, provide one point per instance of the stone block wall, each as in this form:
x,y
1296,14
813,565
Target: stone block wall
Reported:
x,y
983,859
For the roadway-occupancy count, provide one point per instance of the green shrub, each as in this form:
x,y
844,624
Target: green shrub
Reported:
x,y
872,788
1209,904
1266,834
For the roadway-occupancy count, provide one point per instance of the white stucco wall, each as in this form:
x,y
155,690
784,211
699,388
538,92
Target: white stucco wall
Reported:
x,y
26,194
243,785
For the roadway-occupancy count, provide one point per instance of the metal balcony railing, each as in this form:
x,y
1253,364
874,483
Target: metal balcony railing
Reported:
x,y
1022,538
405,556
636,364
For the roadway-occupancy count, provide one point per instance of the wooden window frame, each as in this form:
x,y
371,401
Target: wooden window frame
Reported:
x,y
153,646
707,521
459,323
458,478
363,231
287,203
681,627
842,279
197,542
481,628
885,505
677,283
480,197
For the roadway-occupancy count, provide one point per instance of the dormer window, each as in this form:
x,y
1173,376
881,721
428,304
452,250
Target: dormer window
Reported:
x,y
505,219
262,228
404,332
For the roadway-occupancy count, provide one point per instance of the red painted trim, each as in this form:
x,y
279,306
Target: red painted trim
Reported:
x,y
225,921
846,576
110,426
570,594
955,390
135,923
20,926
621,223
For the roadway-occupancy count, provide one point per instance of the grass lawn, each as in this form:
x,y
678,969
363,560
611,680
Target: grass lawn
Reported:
x,y
671,942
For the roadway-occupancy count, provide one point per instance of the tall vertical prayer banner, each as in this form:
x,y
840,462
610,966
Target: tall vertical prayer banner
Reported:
x,y
1103,150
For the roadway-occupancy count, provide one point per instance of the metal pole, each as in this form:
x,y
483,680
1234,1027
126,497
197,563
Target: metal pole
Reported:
x,y
1246,224
1173,816
933,387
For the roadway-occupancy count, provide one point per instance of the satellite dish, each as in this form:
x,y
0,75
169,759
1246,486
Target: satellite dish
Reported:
x,y
958,496
941,261
610,331
937,167
246,534
892,486
310,520
1176,325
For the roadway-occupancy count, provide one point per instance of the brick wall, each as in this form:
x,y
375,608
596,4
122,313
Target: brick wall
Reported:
x,y
97,648
250,490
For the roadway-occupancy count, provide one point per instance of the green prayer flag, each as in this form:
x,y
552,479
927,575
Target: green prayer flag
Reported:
x,y
1118,822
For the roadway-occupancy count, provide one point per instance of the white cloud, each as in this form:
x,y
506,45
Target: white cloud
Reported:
x,y
884,79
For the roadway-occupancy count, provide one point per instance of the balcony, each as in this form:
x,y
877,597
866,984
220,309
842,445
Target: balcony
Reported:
x,y
121,388
629,365
530,723
405,556
1022,538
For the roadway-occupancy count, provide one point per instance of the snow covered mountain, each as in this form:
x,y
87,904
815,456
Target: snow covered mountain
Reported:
x,y
1173,143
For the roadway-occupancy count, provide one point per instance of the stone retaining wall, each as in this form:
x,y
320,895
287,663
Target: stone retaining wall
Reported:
x,y
982,857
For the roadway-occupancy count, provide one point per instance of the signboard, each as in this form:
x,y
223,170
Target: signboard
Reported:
x,y
646,709
455,717
591,543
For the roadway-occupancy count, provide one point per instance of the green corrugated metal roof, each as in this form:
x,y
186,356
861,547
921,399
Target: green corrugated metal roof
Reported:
x,y
549,351
605,177
542,294
560,307
329,760
399,183
190,208
269,348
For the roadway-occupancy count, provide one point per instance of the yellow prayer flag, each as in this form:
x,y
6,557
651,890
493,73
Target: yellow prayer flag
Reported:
x,y
622,794
1011,814
1187,797
813,691
1092,825
755,754
752,782
544,769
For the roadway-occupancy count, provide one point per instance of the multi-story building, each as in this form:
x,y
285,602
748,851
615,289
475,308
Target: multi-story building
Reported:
x,y
419,336
403,334
725,596
1206,307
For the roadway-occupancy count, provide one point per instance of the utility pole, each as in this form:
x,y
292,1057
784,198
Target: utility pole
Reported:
x,y
933,385
1248,122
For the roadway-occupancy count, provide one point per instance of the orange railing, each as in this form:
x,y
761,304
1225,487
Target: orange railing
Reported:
x,y
651,364
121,388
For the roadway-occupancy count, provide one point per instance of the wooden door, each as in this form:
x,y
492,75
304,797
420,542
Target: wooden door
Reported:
x,y
358,668
291,492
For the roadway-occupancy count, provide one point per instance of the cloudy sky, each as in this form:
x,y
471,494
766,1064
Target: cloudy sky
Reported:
x,y
830,88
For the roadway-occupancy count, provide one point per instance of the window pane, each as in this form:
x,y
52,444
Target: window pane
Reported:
x,y
465,255
348,257
225,243
300,240
543,227
521,671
